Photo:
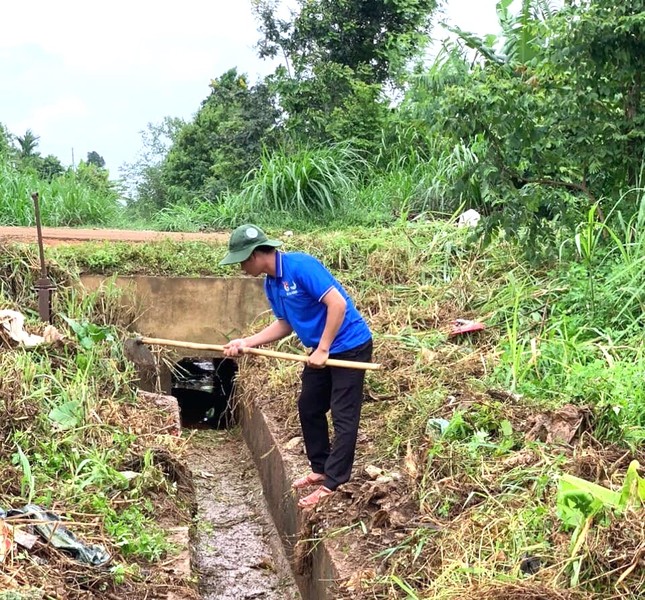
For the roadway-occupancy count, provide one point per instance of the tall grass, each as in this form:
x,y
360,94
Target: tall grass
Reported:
x,y
438,181
626,257
579,336
308,181
65,201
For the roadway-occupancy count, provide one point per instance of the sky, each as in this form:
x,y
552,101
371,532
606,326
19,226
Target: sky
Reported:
x,y
86,77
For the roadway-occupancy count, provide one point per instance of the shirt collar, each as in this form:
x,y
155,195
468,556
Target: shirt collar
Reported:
x,y
278,264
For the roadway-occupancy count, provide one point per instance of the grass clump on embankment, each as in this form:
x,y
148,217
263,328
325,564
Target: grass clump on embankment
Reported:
x,y
76,440
474,433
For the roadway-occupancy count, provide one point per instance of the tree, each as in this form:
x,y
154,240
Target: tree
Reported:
x,y
49,167
225,140
522,38
340,55
375,39
96,179
28,144
6,148
146,188
332,106
94,158
601,44
556,118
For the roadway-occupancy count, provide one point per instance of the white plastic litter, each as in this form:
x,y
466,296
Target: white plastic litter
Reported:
x,y
13,323
470,218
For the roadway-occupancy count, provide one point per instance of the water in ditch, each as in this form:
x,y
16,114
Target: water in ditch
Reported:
x,y
236,550
204,389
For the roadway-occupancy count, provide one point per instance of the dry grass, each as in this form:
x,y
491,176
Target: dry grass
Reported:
x,y
515,591
453,519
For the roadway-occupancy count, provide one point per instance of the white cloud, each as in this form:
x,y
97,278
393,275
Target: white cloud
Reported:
x,y
42,117
130,35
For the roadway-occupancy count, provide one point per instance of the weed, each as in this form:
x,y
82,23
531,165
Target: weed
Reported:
x,y
28,482
309,181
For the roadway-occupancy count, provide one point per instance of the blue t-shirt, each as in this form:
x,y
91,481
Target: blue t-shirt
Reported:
x,y
296,294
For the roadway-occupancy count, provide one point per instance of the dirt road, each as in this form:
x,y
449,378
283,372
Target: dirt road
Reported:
x,y
56,236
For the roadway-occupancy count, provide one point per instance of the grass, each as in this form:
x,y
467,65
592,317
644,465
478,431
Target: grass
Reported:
x,y
307,182
477,499
67,435
163,258
65,202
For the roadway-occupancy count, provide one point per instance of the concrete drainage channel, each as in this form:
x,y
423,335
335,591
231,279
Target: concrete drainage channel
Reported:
x,y
235,549
243,544
234,498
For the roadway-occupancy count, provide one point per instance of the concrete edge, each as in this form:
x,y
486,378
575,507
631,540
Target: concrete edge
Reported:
x,y
313,566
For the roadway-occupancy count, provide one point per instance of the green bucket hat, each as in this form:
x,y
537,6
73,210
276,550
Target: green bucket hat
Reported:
x,y
244,240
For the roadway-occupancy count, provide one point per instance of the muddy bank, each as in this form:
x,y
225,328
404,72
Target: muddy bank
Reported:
x,y
236,551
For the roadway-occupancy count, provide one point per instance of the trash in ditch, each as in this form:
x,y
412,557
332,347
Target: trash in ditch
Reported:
x,y
435,428
203,388
530,565
380,476
12,323
24,539
373,472
470,218
49,526
465,326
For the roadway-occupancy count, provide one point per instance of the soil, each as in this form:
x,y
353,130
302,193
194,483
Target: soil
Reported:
x,y
236,549
59,236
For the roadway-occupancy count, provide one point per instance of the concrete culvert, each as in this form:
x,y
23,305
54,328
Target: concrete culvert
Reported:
x,y
204,390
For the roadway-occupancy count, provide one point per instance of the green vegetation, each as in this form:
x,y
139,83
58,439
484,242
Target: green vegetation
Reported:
x,y
467,421
73,197
515,447
74,437
481,429
531,127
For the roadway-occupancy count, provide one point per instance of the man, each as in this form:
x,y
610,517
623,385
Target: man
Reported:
x,y
307,299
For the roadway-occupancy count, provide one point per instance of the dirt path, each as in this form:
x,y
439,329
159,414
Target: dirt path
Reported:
x,y
236,548
56,236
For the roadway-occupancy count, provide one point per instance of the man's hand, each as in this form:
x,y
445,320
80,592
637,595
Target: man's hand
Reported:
x,y
318,358
234,347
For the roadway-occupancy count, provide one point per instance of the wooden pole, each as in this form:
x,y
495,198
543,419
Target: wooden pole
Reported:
x,y
331,362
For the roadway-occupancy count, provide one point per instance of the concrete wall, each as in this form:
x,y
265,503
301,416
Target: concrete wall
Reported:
x,y
207,310
212,310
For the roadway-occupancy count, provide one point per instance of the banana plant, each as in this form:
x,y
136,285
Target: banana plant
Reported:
x,y
520,38
580,501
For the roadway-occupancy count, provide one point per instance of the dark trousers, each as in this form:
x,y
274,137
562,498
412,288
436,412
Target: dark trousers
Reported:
x,y
340,390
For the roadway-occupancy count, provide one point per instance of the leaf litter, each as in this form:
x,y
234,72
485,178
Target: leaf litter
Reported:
x,y
468,514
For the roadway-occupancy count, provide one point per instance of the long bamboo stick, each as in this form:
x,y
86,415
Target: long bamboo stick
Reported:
x,y
331,362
